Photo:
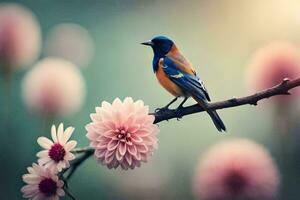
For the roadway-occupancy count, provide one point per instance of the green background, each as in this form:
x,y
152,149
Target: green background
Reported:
x,y
217,36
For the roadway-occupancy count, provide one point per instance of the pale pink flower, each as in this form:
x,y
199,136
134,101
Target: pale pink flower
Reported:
x,y
57,153
54,87
271,64
20,36
71,42
122,133
237,169
42,184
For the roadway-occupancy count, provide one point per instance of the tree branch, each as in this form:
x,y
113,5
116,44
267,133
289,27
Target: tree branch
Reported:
x,y
87,152
280,89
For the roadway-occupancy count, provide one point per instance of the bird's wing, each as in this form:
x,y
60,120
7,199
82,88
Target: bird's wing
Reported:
x,y
182,63
204,88
188,82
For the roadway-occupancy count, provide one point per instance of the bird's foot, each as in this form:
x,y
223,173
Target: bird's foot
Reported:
x,y
163,109
179,113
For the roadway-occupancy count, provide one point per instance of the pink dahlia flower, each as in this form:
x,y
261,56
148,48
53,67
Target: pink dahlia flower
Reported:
x,y
271,64
236,170
122,133
20,36
42,184
57,153
54,87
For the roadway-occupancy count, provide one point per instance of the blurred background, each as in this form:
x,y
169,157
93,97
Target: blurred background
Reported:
x,y
217,36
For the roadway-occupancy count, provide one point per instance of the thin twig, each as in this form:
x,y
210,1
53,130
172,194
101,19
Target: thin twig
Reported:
x,y
74,165
69,194
81,150
280,89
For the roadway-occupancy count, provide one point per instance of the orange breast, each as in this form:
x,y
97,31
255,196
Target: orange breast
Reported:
x,y
167,83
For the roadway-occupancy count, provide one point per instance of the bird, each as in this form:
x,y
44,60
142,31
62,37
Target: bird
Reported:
x,y
178,76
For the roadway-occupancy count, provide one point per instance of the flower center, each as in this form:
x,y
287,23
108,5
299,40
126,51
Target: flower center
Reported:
x,y
48,187
123,136
235,182
57,152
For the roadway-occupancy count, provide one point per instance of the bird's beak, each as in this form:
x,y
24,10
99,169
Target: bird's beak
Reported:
x,y
148,43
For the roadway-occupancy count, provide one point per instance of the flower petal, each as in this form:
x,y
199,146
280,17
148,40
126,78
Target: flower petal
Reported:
x,y
31,170
105,105
138,156
44,160
70,145
43,153
29,190
109,159
134,128
53,133
60,132
69,156
60,192
60,183
132,150
31,178
136,139
128,158
122,148
117,103
44,142
112,145
142,148
119,156
38,169
39,196
100,153
66,136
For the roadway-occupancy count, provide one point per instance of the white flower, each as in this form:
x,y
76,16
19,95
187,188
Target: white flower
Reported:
x,y
42,184
57,154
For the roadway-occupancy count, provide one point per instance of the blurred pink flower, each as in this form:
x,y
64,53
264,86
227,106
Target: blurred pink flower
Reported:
x,y
71,42
122,133
57,154
54,87
20,36
271,64
42,183
238,169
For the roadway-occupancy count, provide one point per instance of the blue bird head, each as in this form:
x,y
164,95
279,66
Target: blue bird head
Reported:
x,y
161,45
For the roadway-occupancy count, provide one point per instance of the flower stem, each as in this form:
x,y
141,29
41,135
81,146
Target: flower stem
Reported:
x,y
8,99
82,150
77,162
69,194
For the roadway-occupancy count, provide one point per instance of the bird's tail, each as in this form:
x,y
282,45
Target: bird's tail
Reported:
x,y
213,115
217,120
